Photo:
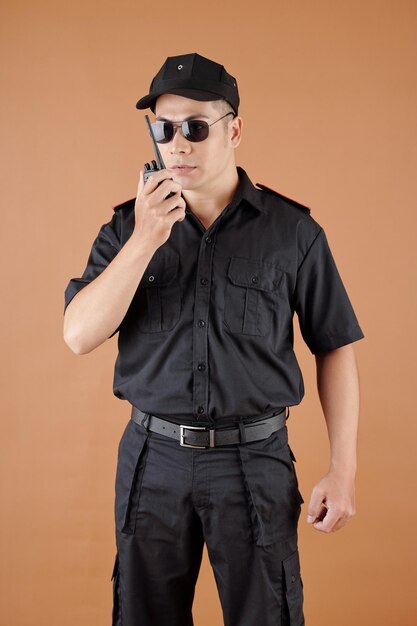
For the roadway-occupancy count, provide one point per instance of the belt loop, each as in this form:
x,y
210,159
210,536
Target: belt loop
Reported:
x,y
242,431
287,408
145,419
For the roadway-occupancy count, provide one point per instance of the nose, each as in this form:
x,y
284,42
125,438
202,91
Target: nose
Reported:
x,y
179,144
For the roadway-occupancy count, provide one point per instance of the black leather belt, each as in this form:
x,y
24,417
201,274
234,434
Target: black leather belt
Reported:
x,y
207,436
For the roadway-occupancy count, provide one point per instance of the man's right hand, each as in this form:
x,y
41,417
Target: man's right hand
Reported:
x,y
155,214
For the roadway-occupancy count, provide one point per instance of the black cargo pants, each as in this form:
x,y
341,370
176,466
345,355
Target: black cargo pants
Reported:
x,y
242,500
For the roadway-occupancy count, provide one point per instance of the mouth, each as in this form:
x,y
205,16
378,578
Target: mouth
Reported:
x,y
182,169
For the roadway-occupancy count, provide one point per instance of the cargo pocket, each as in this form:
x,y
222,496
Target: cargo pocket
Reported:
x,y
116,612
251,296
131,463
156,305
270,488
292,597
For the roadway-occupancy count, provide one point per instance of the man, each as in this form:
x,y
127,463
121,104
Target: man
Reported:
x,y
201,274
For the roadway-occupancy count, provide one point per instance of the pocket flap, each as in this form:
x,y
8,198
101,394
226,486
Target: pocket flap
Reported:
x,y
255,274
161,271
292,570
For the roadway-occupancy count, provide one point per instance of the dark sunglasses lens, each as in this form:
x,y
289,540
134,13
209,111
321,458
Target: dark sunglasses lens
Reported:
x,y
196,130
163,131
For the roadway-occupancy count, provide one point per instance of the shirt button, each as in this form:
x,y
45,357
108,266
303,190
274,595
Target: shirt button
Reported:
x,y
201,367
203,281
254,279
200,409
208,239
151,278
293,578
201,323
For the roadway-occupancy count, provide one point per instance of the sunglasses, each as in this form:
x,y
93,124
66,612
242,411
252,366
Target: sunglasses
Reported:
x,y
193,130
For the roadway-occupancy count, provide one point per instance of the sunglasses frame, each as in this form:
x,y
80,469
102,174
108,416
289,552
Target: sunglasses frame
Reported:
x,y
183,126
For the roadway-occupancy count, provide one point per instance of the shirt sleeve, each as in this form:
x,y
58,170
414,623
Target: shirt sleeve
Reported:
x,y
326,316
105,247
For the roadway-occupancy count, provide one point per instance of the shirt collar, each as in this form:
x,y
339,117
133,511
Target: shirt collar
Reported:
x,y
246,190
249,192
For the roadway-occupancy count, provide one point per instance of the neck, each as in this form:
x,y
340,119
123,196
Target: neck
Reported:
x,y
211,201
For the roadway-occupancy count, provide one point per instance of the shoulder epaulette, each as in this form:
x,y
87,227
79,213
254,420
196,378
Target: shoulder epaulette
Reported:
x,y
290,200
124,204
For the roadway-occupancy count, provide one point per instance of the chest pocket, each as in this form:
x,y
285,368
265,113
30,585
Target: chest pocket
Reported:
x,y
251,296
158,297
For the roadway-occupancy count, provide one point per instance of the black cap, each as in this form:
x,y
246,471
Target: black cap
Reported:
x,y
192,76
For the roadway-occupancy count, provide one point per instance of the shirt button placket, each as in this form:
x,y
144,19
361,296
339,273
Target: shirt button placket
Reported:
x,y
200,330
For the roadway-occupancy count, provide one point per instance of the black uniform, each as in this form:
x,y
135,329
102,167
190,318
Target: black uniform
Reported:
x,y
208,340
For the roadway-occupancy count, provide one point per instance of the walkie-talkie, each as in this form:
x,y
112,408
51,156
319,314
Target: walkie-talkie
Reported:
x,y
154,166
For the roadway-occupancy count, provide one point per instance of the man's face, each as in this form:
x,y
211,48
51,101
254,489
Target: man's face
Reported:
x,y
210,158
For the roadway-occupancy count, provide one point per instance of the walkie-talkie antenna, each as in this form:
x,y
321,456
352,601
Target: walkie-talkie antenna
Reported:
x,y
161,163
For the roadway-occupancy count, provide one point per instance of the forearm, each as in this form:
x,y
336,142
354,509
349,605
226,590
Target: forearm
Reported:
x,y
338,388
97,310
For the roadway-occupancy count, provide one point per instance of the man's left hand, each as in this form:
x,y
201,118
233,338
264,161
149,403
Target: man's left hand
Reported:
x,y
332,502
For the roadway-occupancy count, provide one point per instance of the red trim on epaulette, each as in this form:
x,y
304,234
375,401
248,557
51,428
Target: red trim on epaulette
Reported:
x,y
298,204
123,204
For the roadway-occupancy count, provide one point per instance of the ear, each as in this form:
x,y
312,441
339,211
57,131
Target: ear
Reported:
x,y
235,131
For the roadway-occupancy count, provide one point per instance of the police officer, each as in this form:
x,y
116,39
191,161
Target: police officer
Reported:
x,y
200,274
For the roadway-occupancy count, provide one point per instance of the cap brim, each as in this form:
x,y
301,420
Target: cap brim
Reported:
x,y
194,94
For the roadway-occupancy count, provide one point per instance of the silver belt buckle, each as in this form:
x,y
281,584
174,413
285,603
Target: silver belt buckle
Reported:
x,y
188,445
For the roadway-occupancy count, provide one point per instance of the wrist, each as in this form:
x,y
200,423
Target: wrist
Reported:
x,y
343,469
139,246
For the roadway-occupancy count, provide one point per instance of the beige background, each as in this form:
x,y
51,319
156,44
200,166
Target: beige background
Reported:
x,y
329,99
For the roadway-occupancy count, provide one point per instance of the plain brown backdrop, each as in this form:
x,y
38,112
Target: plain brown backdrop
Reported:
x,y
328,99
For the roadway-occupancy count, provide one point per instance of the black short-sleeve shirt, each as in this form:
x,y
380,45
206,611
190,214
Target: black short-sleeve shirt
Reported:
x,y
208,336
